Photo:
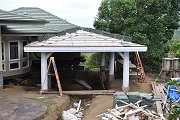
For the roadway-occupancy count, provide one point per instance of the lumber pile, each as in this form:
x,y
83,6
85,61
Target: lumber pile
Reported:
x,y
133,97
131,112
162,105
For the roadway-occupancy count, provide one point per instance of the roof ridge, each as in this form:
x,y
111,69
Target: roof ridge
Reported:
x,y
23,16
58,17
55,23
44,11
117,36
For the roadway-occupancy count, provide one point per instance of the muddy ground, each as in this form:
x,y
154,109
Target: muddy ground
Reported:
x,y
97,104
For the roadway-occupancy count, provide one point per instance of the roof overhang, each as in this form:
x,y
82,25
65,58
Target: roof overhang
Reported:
x,y
85,49
6,23
84,41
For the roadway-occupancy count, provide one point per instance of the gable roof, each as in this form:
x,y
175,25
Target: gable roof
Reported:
x,y
11,17
84,41
55,23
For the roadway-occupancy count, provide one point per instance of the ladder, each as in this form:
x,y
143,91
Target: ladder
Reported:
x,y
56,74
140,70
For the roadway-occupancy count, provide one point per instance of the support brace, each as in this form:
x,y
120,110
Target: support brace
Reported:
x,y
121,54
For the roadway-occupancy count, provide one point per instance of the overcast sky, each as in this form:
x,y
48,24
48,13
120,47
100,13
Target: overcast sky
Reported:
x,y
79,12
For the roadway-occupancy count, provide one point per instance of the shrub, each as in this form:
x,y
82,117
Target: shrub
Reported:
x,y
175,48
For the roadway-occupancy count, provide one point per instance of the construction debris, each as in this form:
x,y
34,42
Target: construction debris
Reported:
x,y
73,113
131,112
164,106
133,106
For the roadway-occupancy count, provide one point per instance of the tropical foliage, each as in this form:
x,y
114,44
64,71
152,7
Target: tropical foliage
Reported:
x,y
149,22
175,48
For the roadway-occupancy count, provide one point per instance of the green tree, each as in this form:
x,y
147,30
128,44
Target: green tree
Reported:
x,y
175,48
148,22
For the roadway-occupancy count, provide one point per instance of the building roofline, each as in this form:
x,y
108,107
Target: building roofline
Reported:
x,y
28,18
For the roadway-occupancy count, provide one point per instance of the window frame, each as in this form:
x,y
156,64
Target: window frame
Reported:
x,y
4,67
10,52
3,46
23,50
27,63
14,68
25,58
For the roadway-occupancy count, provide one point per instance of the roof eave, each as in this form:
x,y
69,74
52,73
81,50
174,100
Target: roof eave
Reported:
x,y
28,22
85,49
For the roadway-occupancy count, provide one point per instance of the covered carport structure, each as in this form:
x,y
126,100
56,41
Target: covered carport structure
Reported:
x,y
86,40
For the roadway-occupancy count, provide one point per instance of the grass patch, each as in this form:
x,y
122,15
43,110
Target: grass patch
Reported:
x,y
46,101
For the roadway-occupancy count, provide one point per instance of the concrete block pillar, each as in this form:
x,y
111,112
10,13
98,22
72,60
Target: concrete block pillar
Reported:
x,y
111,66
125,86
44,80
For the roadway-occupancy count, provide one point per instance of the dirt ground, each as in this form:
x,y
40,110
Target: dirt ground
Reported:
x,y
55,103
98,104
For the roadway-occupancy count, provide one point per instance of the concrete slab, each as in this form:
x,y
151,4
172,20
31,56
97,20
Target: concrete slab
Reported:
x,y
20,109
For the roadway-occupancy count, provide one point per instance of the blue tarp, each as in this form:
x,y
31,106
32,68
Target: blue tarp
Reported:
x,y
173,93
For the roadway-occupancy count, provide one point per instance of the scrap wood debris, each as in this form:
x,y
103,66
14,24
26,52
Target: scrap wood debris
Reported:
x,y
167,95
131,112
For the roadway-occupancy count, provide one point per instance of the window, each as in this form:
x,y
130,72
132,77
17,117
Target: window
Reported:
x,y
25,54
14,55
3,50
14,65
25,63
14,51
3,67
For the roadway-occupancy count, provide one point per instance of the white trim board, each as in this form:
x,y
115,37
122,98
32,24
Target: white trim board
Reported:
x,y
85,49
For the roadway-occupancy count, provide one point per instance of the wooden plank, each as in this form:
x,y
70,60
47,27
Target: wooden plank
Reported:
x,y
79,105
115,114
133,111
83,83
162,91
84,92
153,87
133,117
156,92
158,103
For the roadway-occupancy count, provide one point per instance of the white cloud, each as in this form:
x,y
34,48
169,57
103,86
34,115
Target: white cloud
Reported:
x,y
79,12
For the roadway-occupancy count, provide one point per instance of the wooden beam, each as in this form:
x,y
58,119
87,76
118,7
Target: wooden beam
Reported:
x,y
84,92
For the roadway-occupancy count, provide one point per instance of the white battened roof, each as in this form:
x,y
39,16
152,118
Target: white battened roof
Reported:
x,y
84,41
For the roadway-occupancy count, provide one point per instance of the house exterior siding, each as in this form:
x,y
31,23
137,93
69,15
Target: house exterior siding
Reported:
x,y
7,72
0,50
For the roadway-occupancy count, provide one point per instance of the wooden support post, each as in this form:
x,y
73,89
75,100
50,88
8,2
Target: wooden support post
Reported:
x,y
125,86
102,59
44,81
111,66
